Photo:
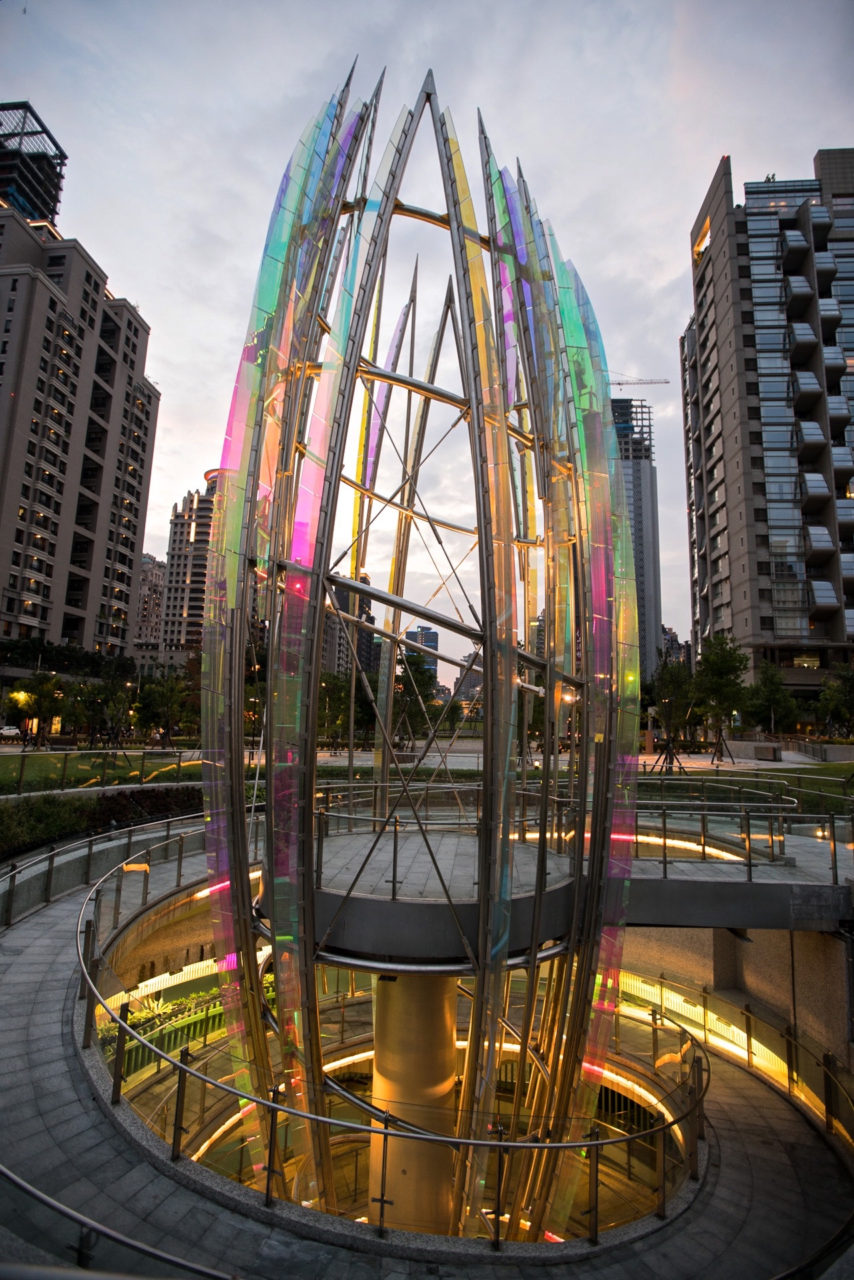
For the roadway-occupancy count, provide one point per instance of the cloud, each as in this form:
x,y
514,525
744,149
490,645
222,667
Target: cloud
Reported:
x,y
178,120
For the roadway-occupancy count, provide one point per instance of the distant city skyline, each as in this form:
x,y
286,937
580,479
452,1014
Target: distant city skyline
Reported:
x,y
174,154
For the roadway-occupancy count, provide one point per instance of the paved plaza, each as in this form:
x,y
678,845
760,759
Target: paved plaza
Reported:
x,y
771,1191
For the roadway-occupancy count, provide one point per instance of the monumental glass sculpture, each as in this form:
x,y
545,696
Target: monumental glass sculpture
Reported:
x,y
419,475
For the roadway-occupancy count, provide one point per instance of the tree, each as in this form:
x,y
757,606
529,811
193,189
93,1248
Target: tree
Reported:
x,y
768,703
413,690
719,684
673,689
163,701
40,699
835,707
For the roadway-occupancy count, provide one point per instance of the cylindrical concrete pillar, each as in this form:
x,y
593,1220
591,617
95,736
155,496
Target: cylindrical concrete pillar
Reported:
x,y
414,1075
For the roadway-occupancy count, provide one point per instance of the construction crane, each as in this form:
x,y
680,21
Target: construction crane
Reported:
x,y
627,380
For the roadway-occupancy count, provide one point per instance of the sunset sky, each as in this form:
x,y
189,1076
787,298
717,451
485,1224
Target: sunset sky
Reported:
x,y
178,119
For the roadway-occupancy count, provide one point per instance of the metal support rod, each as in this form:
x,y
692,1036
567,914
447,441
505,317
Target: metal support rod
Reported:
x,y
90,849
664,843
704,823
119,1060
180,1094
180,869
593,1186
748,1035
654,1033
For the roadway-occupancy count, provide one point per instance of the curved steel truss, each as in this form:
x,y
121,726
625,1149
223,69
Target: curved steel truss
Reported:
x,y
422,468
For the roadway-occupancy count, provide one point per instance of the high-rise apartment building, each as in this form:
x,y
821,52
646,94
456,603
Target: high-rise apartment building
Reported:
x,y
338,637
149,613
428,637
768,392
186,573
77,425
32,163
633,424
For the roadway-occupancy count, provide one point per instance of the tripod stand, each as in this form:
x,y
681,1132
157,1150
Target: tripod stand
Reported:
x,y
668,758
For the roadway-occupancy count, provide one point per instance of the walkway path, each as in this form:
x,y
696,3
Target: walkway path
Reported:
x,y
773,1190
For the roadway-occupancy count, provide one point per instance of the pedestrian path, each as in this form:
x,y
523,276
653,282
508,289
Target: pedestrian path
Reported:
x,y
772,1191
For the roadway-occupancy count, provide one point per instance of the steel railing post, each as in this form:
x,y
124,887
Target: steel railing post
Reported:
x,y
146,877
88,940
381,1198
48,882
748,843
10,893
664,843
499,1174
89,1016
119,1060
180,869
271,1147
834,867
701,1110
828,1067
394,858
180,1095
593,1186
117,900
660,1170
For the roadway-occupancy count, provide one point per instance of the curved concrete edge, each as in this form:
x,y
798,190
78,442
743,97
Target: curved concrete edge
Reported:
x,y
343,1232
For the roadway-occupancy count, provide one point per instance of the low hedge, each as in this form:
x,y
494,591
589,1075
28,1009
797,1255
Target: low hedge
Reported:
x,y
34,821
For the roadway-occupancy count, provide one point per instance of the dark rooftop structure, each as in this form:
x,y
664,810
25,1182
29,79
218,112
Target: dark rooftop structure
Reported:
x,y
32,163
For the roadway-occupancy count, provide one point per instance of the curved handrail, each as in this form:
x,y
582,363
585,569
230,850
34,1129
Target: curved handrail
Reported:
x,y
390,1126
109,1233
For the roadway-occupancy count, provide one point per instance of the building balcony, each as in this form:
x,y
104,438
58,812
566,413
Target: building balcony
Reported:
x,y
797,293
834,361
821,224
793,248
814,490
843,461
802,342
818,544
830,314
808,439
806,389
845,513
825,267
846,562
821,597
838,413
